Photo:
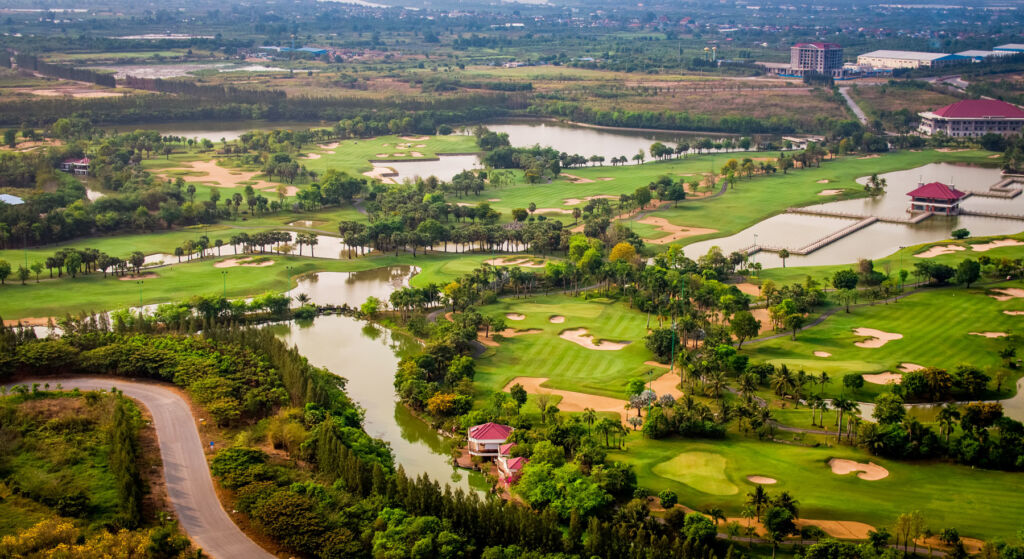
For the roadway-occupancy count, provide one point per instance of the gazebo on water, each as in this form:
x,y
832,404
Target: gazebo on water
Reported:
x,y
936,197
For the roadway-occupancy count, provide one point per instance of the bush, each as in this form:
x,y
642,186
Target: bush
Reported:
x,y
668,498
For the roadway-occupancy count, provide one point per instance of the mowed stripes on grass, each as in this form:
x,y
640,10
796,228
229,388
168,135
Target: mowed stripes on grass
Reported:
x,y
568,365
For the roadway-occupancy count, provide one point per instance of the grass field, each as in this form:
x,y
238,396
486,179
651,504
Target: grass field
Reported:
x,y
877,99
980,503
935,324
568,365
354,156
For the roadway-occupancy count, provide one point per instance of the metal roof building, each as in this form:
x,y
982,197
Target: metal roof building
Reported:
x,y
11,199
907,59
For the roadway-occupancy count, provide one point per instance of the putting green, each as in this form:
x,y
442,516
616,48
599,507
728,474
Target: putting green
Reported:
x,y
703,471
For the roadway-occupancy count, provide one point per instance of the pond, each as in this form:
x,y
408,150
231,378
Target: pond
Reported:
x,y
879,239
367,356
214,130
582,140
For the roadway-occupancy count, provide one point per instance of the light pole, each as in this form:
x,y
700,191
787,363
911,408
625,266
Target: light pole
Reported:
x,y
224,276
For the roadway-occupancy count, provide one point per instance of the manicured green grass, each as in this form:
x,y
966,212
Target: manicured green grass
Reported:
x,y
568,365
703,471
901,259
353,156
935,324
980,503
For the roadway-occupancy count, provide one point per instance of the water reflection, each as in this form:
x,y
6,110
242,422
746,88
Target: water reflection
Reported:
x,y
352,288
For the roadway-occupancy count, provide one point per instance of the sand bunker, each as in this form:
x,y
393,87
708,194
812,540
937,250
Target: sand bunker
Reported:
x,y
138,277
562,211
872,156
878,337
331,145
521,262
557,319
605,178
575,201
416,138
910,367
571,401
214,175
575,179
675,232
1008,293
248,262
939,251
822,354
868,472
996,244
830,192
580,336
883,378
383,174
311,156
749,289
421,145
989,334
515,316
381,155
762,480
823,181
1014,313
506,333
494,199
415,154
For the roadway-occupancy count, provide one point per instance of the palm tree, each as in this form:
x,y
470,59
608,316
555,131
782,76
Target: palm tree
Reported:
x,y
714,383
715,513
758,499
948,417
589,417
783,254
748,385
607,427
782,382
748,512
823,380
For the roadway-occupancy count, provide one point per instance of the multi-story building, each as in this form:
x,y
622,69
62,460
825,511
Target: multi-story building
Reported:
x,y
972,118
823,58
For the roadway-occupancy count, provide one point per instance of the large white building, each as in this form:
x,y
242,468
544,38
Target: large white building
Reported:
x,y
906,59
972,118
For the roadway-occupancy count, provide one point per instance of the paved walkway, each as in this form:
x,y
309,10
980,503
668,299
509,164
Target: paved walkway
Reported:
x,y
845,92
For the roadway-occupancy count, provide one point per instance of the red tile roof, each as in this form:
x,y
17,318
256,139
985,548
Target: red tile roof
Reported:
x,y
515,464
83,161
505,449
937,191
980,108
490,432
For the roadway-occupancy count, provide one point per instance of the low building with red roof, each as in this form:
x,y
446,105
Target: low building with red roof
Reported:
x,y
972,118
936,197
486,439
510,469
76,166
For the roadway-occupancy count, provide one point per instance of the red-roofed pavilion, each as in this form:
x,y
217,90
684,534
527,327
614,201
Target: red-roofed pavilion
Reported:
x,y
936,197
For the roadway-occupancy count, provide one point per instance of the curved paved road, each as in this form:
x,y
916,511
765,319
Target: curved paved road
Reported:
x,y
186,472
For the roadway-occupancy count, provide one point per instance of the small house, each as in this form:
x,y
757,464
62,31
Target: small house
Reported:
x,y
510,469
937,198
76,166
487,439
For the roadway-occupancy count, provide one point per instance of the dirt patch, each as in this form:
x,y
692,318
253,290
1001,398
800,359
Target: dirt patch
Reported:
x,y
421,145
415,154
30,321
939,251
877,339
576,180
910,367
996,244
1014,313
521,262
307,223
138,277
248,262
416,138
830,192
868,472
950,150
557,319
996,156
872,156
883,378
675,232
667,383
288,190
605,178
762,480
579,336
381,155
515,316
571,401
1008,293
749,289
494,199
822,354
823,181
842,529
77,93
989,334
575,201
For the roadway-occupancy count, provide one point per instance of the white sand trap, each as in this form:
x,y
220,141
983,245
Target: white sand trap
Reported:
x,y
138,277
883,378
675,232
580,336
997,244
557,319
575,201
381,155
521,262
822,354
989,334
416,154
1014,313
571,401
398,155
1008,293
494,199
830,192
288,190
383,174
823,181
554,211
939,251
421,145
416,138
331,145
515,316
762,480
312,156
868,472
605,178
232,262
208,172
878,337
749,289
910,367
506,333
575,179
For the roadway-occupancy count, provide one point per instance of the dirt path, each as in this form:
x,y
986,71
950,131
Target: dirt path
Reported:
x,y
215,175
675,232
572,401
